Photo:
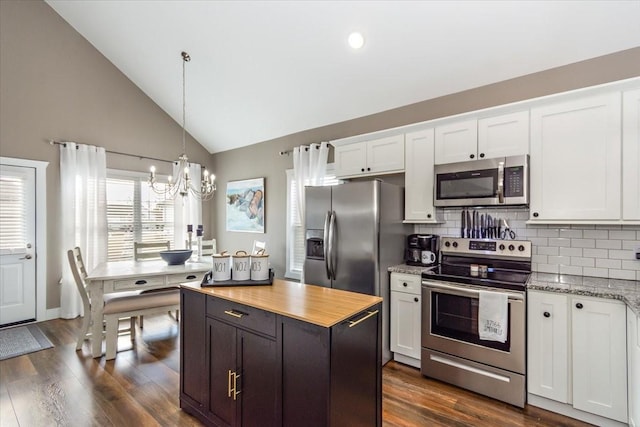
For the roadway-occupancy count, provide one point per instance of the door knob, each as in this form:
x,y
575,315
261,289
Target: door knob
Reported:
x,y
27,256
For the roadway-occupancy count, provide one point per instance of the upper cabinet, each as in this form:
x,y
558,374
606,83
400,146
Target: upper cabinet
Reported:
x,y
485,138
418,177
373,157
576,159
631,155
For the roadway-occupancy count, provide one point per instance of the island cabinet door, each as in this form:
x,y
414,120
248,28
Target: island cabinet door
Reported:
x,y
356,372
244,376
193,362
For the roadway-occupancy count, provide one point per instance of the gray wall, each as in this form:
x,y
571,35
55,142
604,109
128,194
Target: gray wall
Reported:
x,y
54,84
263,159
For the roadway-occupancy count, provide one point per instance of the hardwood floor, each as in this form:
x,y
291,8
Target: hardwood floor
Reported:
x,y
62,387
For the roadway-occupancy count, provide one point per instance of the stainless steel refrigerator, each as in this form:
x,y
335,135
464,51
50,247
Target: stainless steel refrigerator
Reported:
x,y
354,233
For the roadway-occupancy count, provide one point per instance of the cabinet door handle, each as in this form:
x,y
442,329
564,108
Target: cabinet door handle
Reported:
x,y
233,313
353,323
191,277
416,299
579,305
546,314
141,282
229,383
235,385
482,155
471,156
404,284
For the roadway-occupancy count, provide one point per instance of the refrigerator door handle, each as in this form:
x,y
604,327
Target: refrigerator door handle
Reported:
x,y
325,245
332,232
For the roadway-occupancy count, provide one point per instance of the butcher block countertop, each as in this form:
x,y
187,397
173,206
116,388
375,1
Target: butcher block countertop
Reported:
x,y
318,305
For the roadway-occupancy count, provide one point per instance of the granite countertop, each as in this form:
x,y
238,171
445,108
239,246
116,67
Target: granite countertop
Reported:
x,y
627,291
407,269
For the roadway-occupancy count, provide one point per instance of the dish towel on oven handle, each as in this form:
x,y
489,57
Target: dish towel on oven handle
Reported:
x,y
493,316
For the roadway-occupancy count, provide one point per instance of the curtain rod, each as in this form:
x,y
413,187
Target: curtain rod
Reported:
x,y
287,152
54,142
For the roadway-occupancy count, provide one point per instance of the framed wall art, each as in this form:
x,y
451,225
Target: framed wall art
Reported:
x,y
245,205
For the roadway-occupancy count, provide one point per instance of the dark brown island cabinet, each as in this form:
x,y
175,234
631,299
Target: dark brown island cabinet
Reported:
x,y
248,359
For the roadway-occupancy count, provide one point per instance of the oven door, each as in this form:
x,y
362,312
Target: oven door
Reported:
x,y
450,325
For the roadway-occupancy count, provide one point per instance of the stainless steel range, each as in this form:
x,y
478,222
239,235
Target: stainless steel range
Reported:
x,y
452,350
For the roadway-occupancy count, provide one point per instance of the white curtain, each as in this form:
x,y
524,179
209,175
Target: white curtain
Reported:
x,y
83,201
309,168
187,209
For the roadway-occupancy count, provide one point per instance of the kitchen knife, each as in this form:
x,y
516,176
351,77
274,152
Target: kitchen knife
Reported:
x,y
476,226
468,224
498,230
488,226
463,220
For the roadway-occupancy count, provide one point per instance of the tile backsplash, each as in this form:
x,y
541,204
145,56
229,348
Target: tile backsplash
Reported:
x,y
583,250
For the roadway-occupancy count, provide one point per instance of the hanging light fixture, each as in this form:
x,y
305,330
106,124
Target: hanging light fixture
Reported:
x,y
183,184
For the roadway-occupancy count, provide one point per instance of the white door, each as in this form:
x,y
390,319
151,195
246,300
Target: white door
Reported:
x,y
17,244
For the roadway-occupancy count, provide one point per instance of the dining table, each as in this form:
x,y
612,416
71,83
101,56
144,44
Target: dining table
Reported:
x,y
130,275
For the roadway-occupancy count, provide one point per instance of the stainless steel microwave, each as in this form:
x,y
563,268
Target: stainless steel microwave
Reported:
x,y
488,182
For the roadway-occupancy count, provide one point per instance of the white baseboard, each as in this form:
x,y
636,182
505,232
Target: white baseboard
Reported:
x,y
52,313
570,411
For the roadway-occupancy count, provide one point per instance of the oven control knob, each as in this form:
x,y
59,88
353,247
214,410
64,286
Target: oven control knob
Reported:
x,y
501,247
511,247
521,248
447,243
455,244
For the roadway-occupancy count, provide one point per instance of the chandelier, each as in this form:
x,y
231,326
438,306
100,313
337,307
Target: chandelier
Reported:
x,y
183,184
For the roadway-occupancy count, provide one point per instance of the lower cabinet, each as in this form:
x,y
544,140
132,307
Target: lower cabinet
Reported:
x,y
406,318
633,351
577,352
241,366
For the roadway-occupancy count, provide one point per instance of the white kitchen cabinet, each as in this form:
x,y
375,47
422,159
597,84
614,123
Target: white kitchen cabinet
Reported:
x,y
485,138
505,135
631,155
577,353
405,319
599,357
456,142
576,159
548,345
633,365
418,177
373,157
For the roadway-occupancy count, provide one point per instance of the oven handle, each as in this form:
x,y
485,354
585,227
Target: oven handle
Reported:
x,y
457,290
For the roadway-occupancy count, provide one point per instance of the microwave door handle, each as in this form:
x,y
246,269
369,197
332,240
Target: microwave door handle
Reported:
x,y
501,182
325,245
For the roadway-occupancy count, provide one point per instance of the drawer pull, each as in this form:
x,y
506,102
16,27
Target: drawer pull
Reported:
x,y
233,313
141,282
191,277
353,323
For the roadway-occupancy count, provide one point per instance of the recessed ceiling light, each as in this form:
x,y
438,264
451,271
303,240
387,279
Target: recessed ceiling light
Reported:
x,y
356,40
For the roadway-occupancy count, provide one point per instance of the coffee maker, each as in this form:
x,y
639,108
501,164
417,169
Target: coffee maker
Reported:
x,y
422,250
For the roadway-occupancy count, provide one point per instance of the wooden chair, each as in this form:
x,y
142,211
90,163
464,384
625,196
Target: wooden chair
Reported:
x,y
116,306
79,273
151,251
148,251
257,246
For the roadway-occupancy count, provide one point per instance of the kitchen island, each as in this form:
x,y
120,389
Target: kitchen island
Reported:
x,y
287,354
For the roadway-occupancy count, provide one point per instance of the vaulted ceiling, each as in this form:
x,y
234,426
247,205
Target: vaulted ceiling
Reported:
x,y
260,70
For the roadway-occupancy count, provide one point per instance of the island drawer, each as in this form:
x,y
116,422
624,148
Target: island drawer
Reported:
x,y
242,315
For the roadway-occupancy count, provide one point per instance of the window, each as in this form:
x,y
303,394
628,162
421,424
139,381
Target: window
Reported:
x,y
135,214
295,228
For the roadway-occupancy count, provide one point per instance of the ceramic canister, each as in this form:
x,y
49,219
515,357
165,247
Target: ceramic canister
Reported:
x,y
221,266
241,268
260,266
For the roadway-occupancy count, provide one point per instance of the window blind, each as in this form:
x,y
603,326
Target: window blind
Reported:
x,y
13,213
